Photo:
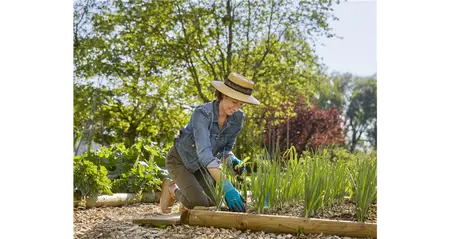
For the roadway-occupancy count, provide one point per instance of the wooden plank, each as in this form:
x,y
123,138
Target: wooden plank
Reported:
x,y
158,220
210,208
119,199
278,224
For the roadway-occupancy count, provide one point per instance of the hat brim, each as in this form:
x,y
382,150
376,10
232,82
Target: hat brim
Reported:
x,y
224,89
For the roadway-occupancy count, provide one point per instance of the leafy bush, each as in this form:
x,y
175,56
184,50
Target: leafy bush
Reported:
x,y
139,179
119,160
310,127
89,179
340,153
124,167
116,159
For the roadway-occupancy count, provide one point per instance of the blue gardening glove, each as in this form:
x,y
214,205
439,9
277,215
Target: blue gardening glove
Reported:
x,y
232,197
237,165
266,204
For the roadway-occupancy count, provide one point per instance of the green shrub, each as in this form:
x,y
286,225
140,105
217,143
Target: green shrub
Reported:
x,y
89,180
139,179
339,153
118,159
121,166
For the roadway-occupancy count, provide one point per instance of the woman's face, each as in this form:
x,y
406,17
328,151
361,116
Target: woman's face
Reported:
x,y
230,105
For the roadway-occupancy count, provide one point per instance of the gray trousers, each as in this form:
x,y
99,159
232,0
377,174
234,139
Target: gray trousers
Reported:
x,y
192,189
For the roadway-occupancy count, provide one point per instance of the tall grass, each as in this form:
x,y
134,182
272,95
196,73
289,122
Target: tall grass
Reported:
x,y
364,179
340,180
264,180
274,180
292,187
316,179
216,187
325,180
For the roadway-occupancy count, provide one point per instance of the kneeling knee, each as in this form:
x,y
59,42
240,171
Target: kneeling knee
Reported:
x,y
200,201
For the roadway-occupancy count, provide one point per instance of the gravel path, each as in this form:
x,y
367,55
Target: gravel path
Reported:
x,y
115,222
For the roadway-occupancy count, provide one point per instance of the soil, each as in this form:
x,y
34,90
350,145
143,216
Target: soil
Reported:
x,y
344,211
116,222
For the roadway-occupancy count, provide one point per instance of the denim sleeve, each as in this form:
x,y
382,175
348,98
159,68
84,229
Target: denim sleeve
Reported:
x,y
200,123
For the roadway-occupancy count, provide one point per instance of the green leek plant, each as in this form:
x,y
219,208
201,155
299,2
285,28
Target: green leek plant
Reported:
x,y
340,181
215,187
365,185
292,186
316,179
260,182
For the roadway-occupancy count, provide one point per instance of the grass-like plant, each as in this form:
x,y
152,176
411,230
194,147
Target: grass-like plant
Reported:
x,y
317,183
365,184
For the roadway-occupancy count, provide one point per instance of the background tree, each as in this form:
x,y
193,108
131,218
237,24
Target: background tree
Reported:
x,y
362,112
156,60
122,49
355,97
309,128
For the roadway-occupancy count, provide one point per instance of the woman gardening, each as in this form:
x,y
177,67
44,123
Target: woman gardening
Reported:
x,y
207,140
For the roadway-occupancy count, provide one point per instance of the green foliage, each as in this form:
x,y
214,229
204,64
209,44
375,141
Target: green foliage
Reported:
x,y
274,183
151,61
216,187
362,112
365,184
118,159
339,181
82,108
294,177
334,91
317,186
125,166
340,153
89,180
138,180
318,179
265,181
356,98
123,54
141,66
259,183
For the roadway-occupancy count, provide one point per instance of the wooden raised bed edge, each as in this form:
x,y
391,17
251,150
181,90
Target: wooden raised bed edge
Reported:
x,y
118,199
277,224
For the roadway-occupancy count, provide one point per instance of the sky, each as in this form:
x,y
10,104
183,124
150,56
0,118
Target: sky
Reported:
x,y
356,52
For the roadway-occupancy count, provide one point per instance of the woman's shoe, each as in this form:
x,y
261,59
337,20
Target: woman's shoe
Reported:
x,y
167,200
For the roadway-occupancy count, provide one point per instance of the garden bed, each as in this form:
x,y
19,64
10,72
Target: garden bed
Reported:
x,y
116,222
344,211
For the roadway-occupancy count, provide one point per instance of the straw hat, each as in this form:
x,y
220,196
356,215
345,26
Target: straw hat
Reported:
x,y
237,87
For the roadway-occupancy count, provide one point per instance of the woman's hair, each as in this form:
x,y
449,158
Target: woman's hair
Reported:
x,y
219,95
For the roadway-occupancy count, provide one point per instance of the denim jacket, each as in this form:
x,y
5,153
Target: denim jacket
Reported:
x,y
201,143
